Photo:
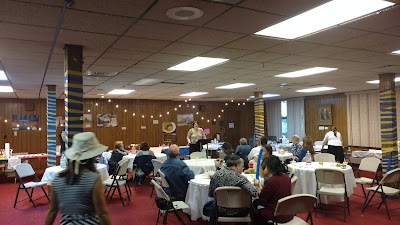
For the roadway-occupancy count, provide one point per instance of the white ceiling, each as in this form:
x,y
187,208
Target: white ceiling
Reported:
x,y
156,42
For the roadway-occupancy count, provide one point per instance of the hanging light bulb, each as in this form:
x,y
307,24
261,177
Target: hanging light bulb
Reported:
x,y
219,116
222,110
208,121
142,116
167,113
40,128
226,103
5,121
179,106
102,96
190,99
97,104
175,109
247,99
125,110
28,128
197,113
133,114
160,115
215,120
17,125
185,100
244,103
109,100
202,118
116,106
151,116
238,103
194,106
88,110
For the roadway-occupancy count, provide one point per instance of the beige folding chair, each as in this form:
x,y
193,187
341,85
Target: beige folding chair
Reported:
x,y
157,165
296,204
331,177
118,179
196,155
25,170
232,198
293,182
170,206
390,178
369,164
324,157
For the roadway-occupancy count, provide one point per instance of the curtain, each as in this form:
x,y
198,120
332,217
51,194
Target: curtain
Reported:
x,y
295,118
274,118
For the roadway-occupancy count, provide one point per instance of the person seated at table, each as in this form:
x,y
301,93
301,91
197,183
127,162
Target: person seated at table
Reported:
x,y
295,149
307,146
143,162
256,150
226,150
78,190
177,173
276,187
267,151
230,175
243,150
116,156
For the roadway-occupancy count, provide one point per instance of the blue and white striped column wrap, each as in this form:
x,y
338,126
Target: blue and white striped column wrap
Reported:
x,y
73,103
51,125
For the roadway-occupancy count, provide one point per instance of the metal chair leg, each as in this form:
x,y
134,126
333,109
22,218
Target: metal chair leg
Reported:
x,y
179,217
16,197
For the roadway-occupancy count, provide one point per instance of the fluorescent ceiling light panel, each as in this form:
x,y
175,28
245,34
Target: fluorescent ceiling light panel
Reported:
x,y
316,89
192,94
235,85
307,72
322,17
3,75
396,52
198,63
120,92
397,79
145,82
267,95
6,89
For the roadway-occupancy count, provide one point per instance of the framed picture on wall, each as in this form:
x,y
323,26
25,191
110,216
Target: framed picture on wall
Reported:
x,y
325,115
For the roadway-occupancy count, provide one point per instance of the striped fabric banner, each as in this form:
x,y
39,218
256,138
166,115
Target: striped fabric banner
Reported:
x,y
387,100
258,116
73,88
51,125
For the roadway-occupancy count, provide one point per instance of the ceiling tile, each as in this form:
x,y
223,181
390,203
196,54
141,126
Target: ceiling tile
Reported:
x,y
325,51
293,47
254,43
139,44
262,56
227,53
113,53
334,35
370,40
186,49
168,58
26,32
204,36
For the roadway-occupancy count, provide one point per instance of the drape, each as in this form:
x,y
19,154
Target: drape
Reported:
x,y
274,118
295,118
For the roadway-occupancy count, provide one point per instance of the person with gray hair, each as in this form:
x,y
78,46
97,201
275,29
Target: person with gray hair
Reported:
x,y
243,151
295,149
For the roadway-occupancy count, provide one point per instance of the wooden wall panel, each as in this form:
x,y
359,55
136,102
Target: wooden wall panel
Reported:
x,y
339,115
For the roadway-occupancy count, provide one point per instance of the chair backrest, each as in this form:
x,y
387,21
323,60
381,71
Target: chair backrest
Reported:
x,y
232,197
24,170
156,164
122,167
329,176
163,179
369,164
160,192
324,157
295,204
392,176
318,143
293,181
195,155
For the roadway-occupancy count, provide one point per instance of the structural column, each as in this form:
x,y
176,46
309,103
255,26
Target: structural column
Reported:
x,y
258,115
387,101
73,88
51,125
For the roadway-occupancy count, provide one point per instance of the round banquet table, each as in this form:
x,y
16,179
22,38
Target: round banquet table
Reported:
x,y
160,156
199,166
50,172
197,195
284,156
307,184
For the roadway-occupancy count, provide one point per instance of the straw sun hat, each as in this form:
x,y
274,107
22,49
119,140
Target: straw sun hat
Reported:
x,y
85,146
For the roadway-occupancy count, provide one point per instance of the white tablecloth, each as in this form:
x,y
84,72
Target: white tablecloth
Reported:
x,y
160,156
307,184
13,162
318,148
284,156
213,146
197,195
370,153
50,172
199,166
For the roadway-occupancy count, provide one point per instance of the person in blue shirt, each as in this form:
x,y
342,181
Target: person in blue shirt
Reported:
x,y
295,149
307,146
177,174
243,151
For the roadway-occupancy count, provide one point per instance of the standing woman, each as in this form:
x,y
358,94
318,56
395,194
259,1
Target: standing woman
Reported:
x,y
335,145
196,133
78,190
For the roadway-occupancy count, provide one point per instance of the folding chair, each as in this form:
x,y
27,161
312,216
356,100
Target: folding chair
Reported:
x,y
25,170
391,177
171,206
118,179
233,198
296,204
324,157
195,155
157,165
165,184
370,165
331,177
293,182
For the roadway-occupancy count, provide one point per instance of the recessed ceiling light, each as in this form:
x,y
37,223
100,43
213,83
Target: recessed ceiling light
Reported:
x,y
396,52
146,82
316,89
235,85
184,13
120,92
267,95
3,75
6,89
323,17
198,63
306,72
192,94
397,79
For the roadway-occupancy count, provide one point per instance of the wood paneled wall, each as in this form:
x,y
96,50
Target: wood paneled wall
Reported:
x,y
35,141
339,115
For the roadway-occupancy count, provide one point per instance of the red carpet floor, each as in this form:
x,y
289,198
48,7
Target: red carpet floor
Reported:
x,y
141,210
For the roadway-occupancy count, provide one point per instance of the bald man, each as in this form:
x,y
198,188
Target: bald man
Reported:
x,y
177,173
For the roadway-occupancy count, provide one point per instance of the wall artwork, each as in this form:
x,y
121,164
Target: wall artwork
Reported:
x,y
324,115
87,120
25,122
185,119
107,120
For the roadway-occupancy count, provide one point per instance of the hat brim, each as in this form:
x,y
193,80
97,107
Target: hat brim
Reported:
x,y
70,153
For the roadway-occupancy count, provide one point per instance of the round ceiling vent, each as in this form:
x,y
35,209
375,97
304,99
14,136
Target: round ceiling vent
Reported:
x,y
184,13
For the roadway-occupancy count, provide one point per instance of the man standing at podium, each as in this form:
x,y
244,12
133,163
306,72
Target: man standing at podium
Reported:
x,y
196,133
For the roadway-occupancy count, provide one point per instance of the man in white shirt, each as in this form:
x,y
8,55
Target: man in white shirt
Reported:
x,y
335,145
256,150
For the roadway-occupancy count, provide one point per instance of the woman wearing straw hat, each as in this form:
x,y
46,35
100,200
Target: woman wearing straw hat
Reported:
x,y
78,191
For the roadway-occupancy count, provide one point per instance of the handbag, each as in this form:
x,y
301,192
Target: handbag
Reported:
x,y
163,204
209,209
